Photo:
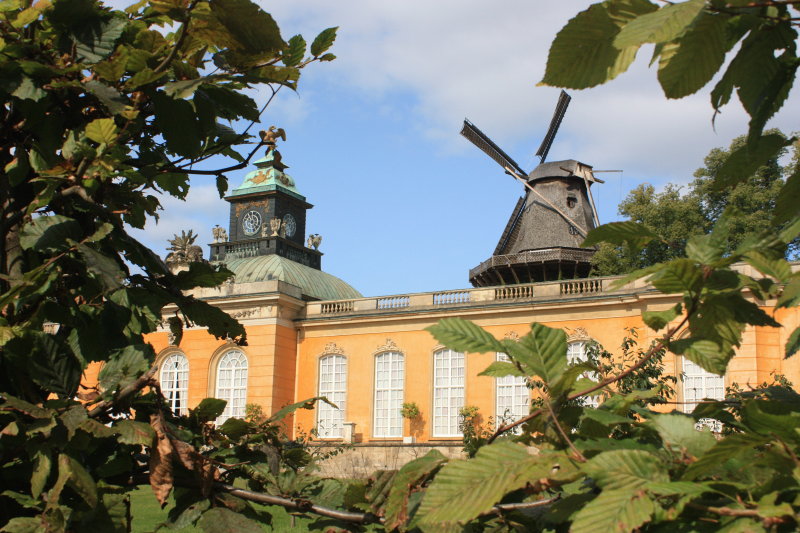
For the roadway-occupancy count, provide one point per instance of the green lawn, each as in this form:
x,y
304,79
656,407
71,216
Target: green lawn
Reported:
x,y
147,515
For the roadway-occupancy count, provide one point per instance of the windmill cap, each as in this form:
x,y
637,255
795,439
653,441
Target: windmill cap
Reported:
x,y
562,169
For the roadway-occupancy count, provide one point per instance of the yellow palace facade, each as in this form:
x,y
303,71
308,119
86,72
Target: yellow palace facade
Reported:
x,y
311,334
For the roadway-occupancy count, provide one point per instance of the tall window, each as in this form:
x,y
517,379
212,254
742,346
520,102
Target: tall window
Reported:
x,y
388,394
576,353
232,384
513,398
448,392
332,385
174,380
699,384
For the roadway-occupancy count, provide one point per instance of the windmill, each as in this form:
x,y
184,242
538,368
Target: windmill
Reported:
x,y
542,239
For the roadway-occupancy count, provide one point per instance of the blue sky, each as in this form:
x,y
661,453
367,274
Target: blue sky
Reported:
x,y
403,202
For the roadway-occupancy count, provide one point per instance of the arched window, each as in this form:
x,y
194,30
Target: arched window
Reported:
x,y
232,384
389,376
576,353
513,398
448,392
699,384
332,385
174,380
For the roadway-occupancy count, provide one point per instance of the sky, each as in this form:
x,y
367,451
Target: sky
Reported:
x,y
402,201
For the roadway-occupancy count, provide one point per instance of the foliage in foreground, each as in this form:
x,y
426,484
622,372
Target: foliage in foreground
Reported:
x,y
98,105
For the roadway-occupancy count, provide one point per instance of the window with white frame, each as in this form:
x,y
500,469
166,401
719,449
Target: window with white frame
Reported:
x,y
232,384
448,392
513,398
389,380
699,384
332,385
174,380
576,353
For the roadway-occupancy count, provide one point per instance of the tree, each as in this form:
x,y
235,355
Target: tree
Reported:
x,y
101,109
97,106
675,215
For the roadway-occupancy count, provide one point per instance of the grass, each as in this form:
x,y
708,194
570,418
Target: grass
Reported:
x,y
147,515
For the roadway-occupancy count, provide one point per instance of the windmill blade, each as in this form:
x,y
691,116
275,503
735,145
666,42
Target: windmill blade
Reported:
x,y
479,139
558,116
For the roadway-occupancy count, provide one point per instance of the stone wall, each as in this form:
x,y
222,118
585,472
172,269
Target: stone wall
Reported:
x,y
362,459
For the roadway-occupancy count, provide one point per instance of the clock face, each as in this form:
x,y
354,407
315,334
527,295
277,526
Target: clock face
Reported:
x,y
251,222
290,225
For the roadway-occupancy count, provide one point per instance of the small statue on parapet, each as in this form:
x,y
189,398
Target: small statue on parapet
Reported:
x,y
314,240
275,224
219,233
183,250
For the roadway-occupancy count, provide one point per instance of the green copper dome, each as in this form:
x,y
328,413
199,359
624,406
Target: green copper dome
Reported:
x,y
313,283
267,176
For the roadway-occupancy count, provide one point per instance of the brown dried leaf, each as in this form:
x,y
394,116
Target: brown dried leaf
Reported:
x,y
161,475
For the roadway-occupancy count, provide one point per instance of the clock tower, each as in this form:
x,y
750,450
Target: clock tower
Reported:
x,y
268,216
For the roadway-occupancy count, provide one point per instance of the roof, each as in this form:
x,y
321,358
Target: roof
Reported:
x,y
559,169
267,177
313,283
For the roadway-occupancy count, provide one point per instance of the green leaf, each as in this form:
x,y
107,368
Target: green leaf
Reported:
x,y
679,275
294,53
133,432
48,234
787,206
289,409
221,520
583,54
677,431
323,41
661,26
778,268
708,354
103,267
184,88
236,428
731,447
125,366
24,524
543,350
499,369
178,124
410,476
744,161
222,186
253,30
209,409
109,97
657,320
633,234
793,343
614,510
142,77
102,130
625,469
201,275
688,64
92,47
464,336
41,471
79,479
495,470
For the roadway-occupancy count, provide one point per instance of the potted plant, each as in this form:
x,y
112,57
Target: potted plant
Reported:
x,y
410,411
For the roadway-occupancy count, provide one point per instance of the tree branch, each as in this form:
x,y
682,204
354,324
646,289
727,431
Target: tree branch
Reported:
x,y
299,505
641,362
143,381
